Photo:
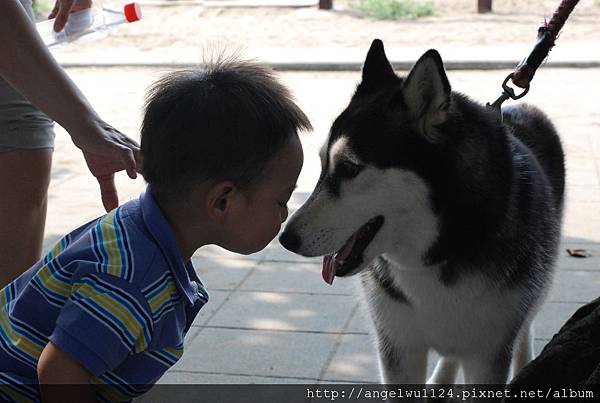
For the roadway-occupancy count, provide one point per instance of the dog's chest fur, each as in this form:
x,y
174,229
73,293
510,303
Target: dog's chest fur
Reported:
x,y
449,318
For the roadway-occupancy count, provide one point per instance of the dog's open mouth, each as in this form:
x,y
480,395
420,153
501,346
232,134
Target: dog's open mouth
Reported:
x,y
350,255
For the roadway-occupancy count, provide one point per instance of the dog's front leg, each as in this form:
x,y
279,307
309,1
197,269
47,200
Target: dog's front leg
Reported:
x,y
401,363
401,349
485,368
523,351
445,371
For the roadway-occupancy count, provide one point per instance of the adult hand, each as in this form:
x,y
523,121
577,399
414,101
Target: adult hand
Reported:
x,y
38,77
106,151
62,9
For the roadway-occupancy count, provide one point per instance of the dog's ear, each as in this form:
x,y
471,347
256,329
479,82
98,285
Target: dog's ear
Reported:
x,y
426,92
377,69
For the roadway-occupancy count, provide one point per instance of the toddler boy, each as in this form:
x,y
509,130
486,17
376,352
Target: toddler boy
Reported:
x,y
110,305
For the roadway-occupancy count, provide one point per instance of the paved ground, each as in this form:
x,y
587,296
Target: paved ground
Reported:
x,y
271,319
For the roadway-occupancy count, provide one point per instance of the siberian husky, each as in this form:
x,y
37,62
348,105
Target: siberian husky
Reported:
x,y
450,216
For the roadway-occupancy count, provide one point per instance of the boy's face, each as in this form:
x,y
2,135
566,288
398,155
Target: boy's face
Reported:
x,y
263,208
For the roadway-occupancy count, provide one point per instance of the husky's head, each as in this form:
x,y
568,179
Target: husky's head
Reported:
x,y
383,153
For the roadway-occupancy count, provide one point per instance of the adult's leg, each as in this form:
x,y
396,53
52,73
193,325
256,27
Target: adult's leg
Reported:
x,y
24,181
24,178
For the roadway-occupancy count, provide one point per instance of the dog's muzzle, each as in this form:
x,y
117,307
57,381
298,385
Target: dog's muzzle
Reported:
x,y
290,240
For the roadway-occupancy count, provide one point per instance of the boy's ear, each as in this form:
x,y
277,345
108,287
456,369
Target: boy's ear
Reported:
x,y
219,200
426,92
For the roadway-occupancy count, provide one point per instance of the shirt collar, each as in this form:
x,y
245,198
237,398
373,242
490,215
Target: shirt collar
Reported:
x,y
184,274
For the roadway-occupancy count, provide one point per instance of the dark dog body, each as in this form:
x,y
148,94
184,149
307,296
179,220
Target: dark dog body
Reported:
x,y
451,217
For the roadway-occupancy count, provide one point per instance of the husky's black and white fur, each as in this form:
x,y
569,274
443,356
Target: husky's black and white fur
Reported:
x,y
450,216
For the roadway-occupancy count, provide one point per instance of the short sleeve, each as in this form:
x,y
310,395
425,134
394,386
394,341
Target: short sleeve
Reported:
x,y
104,320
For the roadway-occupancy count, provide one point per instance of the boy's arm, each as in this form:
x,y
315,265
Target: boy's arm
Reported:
x,y
57,367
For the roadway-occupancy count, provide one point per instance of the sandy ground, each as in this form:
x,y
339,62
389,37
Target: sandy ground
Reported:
x,y
455,23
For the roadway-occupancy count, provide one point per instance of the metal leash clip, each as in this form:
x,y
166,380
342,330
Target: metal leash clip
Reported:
x,y
507,93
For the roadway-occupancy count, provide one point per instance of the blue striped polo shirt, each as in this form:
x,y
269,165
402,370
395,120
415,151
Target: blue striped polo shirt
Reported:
x,y
114,294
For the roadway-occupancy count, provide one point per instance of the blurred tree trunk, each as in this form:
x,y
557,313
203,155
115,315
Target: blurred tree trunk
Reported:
x,y
484,6
325,4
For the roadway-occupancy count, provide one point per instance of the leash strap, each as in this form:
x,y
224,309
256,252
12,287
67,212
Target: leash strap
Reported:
x,y
525,71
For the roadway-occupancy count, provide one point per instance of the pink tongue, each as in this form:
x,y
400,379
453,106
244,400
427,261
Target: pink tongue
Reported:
x,y
328,269
332,263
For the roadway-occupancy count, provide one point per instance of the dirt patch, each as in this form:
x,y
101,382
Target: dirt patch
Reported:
x,y
454,23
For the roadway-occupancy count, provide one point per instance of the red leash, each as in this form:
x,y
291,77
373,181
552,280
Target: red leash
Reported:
x,y
546,38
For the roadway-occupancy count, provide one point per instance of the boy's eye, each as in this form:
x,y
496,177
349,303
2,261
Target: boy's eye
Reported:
x,y
348,169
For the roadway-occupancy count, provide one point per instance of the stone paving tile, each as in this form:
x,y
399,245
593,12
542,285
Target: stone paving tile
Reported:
x,y
575,166
213,252
582,194
576,146
551,317
582,172
575,286
275,252
585,178
253,352
215,302
209,387
183,377
360,321
69,198
325,382
284,311
538,345
566,262
582,221
295,277
586,230
595,137
354,360
223,273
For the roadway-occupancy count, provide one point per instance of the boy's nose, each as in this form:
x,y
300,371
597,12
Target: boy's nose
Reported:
x,y
290,240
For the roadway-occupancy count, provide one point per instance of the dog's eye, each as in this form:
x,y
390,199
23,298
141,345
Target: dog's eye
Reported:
x,y
348,169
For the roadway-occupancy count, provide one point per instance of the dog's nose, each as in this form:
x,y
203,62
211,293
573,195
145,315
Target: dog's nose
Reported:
x,y
290,240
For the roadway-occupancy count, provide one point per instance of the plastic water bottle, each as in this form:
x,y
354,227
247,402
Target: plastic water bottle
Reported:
x,y
87,21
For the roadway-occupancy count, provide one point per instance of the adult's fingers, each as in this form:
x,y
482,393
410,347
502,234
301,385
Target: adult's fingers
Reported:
x,y
63,14
130,163
110,198
137,154
132,155
129,141
54,10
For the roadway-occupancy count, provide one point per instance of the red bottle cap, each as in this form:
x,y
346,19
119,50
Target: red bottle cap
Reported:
x,y
133,12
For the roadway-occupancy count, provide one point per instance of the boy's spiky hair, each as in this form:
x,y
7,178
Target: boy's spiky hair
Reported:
x,y
223,122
